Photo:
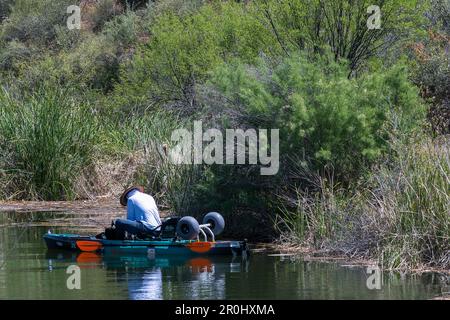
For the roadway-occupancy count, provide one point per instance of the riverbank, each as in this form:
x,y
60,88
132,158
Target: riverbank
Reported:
x,y
308,254
80,206
89,216
311,254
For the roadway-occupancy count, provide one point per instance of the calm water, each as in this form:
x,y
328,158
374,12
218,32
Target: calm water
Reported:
x,y
29,271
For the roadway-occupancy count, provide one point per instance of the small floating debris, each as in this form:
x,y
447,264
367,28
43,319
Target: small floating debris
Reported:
x,y
258,250
282,255
350,265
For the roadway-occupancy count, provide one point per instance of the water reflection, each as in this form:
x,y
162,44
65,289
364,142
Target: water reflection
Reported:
x,y
30,271
193,278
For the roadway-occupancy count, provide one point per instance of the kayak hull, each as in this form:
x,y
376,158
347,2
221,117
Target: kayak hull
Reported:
x,y
160,247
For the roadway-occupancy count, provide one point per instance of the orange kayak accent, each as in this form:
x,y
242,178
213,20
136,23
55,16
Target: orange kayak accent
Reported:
x,y
89,246
199,247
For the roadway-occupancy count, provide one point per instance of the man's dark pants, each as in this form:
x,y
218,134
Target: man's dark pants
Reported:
x,y
133,227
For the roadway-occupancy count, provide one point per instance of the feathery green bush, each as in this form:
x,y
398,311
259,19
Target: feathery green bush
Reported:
x,y
325,119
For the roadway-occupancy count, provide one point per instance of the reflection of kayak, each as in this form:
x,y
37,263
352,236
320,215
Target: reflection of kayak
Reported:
x,y
196,264
145,247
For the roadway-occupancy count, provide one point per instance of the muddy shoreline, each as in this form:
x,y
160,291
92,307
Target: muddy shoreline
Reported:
x,y
80,206
328,256
87,215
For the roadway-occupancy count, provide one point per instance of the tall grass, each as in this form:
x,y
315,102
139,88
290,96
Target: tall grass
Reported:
x,y
411,206
311,216
145,135
323,217
140,131
400,215
50,138
173,182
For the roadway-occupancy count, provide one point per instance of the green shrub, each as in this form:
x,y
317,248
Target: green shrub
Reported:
x,y
5,8
139,131
51,140
133,4
65,39
13,54
325,119
439,15
241,195
341,25
124,29
180,53
103,12
34,21
184,48
178,7
91,64
432,66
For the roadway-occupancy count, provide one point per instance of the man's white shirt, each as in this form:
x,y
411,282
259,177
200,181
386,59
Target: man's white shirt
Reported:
x,y
142,207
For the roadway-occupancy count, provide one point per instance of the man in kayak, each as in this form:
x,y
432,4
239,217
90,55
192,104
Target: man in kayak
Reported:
x,y
142,213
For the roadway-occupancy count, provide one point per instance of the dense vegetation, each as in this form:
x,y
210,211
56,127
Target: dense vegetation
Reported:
x,y
363,114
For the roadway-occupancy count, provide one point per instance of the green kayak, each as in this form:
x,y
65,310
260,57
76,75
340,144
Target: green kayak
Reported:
x,y
148,247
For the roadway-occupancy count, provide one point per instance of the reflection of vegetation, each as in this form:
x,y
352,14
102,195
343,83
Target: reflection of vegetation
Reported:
x,y
343,96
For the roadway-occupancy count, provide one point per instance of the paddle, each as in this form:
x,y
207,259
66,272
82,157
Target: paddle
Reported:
x,y
88,245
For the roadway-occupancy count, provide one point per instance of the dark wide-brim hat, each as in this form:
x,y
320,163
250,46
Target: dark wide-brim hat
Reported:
x,y
123,197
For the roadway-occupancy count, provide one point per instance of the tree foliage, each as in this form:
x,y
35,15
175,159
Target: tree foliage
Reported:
x,y
340,25
325,119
